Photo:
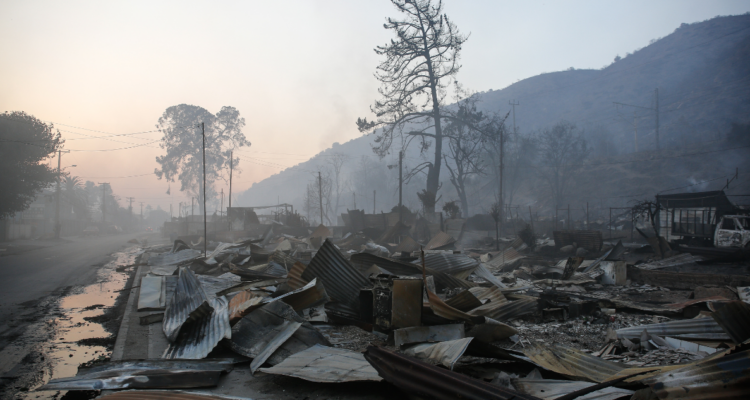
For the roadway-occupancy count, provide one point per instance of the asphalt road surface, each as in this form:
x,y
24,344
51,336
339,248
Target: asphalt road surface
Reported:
x,y
31,270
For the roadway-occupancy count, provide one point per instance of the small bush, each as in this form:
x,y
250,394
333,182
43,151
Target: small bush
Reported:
x,y
528,236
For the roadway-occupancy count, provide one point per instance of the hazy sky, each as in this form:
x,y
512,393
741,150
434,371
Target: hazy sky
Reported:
x,y
299,72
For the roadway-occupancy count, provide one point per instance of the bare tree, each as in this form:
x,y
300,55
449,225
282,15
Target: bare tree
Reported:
x,y
336,161
562,149
312,198
464,148
418,66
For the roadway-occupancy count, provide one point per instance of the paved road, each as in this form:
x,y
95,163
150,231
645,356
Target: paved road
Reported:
x,y
33,274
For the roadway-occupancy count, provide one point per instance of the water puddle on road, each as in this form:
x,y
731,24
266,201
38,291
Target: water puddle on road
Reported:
x,y
79,325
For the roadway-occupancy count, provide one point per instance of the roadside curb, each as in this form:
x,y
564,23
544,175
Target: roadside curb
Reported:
x,y
122,333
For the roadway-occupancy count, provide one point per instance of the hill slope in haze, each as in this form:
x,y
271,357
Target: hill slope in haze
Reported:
x,y
701,70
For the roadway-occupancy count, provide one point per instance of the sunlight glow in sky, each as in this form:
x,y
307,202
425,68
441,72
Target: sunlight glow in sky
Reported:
x,y
300,72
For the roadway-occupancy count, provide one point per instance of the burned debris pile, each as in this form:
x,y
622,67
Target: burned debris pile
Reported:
x,y
561,317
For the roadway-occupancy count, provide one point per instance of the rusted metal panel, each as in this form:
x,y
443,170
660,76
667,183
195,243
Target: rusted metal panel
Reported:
x,y
440,241
441,309
311,295
341,280
442,280
295,276
725,377
464,301
327,365
734,318
571,362
188,303
198,337
507,310
321,232
424,334
589,240
407,303
431,382
243,303
700,328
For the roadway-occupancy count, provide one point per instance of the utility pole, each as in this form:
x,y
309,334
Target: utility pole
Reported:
x,y
130,207
104,202
373,201
656,119
320,196
141,214
400,186
205,224
656,95
221,210
231,167
170,212
192,207
354,197
514,103
58,225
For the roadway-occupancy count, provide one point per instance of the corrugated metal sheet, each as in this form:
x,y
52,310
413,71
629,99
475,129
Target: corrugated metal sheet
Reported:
x,y
442,280
407,245
550,389
700,328
458,265
485,274
508,257
589,240
295,276
439,241
144,374
491,295
243,303
188,303
464,301
197,338
270,268
167,263
443,310
428,381
491,331
446,353
341,280
283,259
311,295
424,334
215,284
726,377
506,311
167,395
251,329
571,362
734,318
249,275
327,365
272,341
150,293
678,260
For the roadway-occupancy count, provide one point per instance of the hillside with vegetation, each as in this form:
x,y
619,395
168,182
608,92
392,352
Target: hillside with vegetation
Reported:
x,y
702,73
